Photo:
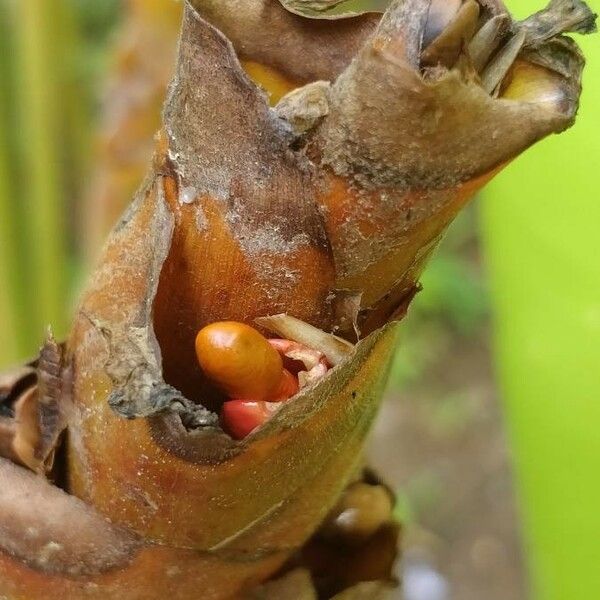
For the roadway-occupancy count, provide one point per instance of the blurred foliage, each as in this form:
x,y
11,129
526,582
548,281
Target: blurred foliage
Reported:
x,y
453,303
142,58
97,23
541,222
52,56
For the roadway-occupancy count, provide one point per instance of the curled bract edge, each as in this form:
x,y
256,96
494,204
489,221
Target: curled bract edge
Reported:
x,y
293,48
323,9
32,417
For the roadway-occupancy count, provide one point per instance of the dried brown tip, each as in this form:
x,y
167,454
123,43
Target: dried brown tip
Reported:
x,y
441,13
486,41
279,35
414,129
446,47
34,411
395,121
560,16
13,385
27,435
493,75
334,348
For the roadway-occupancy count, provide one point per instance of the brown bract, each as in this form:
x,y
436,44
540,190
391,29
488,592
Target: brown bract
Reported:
x,y
211,235
302,49
248,234
408,144
33,404
409,129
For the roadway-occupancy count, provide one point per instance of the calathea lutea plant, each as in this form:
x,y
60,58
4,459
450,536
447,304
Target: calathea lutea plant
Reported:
x,y
200,433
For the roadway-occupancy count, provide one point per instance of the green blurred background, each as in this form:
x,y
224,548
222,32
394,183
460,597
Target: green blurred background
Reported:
x,y
541,226
82,82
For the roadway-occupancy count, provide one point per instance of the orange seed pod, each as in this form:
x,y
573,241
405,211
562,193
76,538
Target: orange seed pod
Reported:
x,y
240,361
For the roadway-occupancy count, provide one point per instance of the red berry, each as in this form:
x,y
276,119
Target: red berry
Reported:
x,y
239,418
288,387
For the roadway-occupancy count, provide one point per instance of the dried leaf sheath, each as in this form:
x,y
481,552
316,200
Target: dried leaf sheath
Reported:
x,y
408,145
301,50
248,233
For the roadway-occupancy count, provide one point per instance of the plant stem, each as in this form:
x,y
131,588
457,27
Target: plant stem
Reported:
x,y
9,346
11,332
40,96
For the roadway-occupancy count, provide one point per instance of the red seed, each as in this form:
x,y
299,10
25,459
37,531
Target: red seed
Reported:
x,y
239,418
288,387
